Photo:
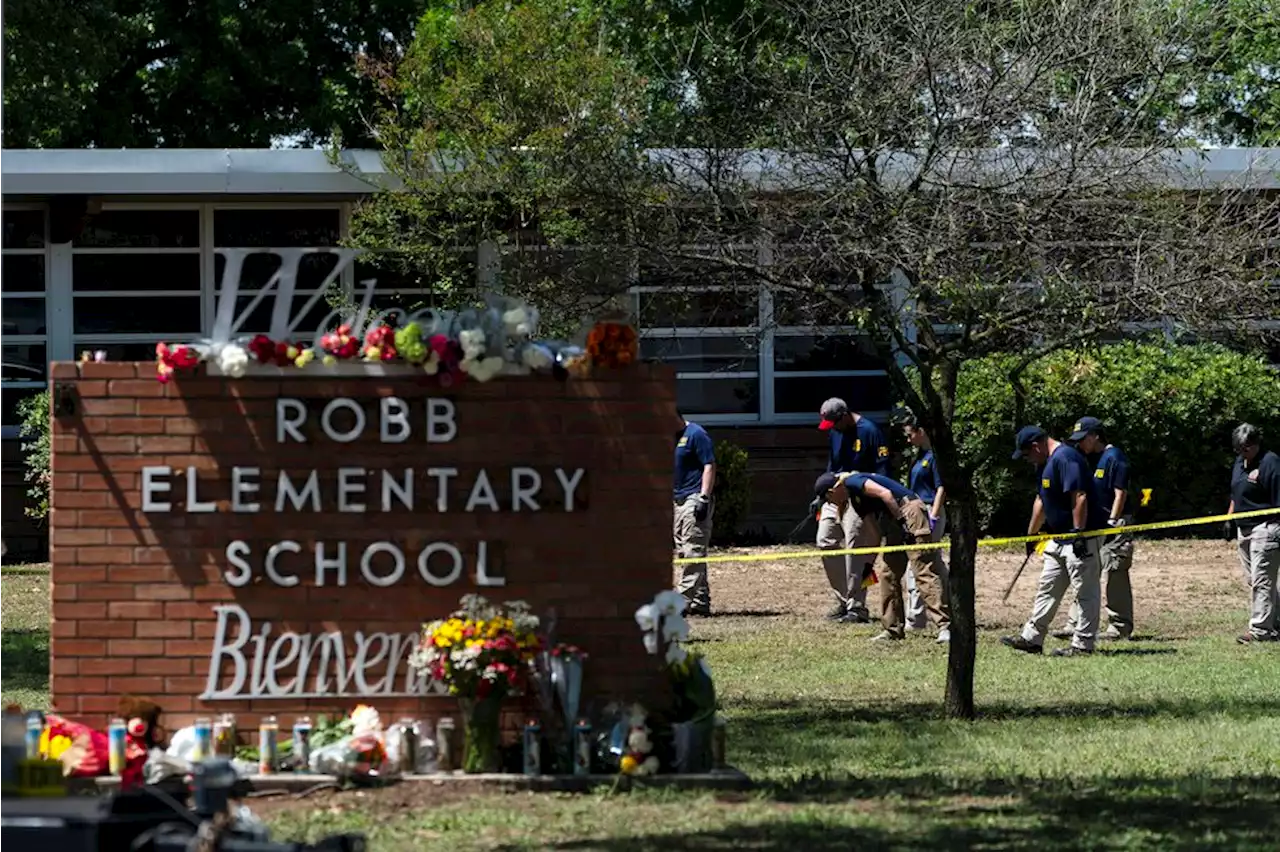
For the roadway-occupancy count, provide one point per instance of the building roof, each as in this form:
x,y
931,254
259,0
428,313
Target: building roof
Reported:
x,y
176,171
244,171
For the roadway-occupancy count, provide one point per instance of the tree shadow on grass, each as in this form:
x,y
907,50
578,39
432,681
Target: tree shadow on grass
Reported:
x,y
1130,813
24,659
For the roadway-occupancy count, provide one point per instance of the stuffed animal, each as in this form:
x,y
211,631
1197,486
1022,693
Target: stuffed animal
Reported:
x,y
638,760
143,732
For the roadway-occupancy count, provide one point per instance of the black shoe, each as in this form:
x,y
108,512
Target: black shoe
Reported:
x,y
1251,639
698,611
1071,652
837,612
1017,643
857,616
1062,633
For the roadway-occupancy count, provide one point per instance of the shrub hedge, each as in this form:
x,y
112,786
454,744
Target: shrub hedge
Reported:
x,y
733,491
1171,408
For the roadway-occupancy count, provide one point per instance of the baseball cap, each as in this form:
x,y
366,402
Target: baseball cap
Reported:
x,y
1027,435
824,484
831,411
1084,426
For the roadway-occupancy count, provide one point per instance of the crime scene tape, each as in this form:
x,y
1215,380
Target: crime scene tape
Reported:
x,y
985,542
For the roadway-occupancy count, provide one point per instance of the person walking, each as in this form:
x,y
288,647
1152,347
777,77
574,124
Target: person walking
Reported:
x,y
692,495
857,444
925,481
902,518
1064,503
1111,484
1255,487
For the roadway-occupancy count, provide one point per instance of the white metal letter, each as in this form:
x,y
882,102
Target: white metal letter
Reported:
x,y
395,412
152,486
441,413
288,425
326,420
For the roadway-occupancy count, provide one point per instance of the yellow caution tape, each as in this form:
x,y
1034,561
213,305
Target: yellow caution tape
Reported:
x,y
986,542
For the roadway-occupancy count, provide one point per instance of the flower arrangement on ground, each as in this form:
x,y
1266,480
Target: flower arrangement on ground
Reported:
x,y
692,715
482,653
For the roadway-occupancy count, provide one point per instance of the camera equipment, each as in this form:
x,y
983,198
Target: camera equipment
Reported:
x,y
154,818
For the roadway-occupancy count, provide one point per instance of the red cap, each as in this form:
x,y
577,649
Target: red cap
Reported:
x,y
827,425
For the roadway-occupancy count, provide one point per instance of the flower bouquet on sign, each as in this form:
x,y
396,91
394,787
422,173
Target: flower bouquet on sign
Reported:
x,y
482,653
693,710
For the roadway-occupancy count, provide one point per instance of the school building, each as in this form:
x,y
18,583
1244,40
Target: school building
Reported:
x,y
114,250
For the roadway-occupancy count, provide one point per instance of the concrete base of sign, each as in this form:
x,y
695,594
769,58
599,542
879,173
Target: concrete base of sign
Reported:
x,y
721,779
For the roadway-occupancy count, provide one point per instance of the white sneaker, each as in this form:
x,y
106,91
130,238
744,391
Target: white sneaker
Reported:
x,y
944,636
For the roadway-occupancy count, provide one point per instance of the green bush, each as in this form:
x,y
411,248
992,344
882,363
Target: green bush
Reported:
x,y
733,491
34,433
1171,408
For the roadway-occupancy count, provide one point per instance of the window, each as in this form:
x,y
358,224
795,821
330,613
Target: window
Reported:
x,y
26,333
136,279
744,354
282,228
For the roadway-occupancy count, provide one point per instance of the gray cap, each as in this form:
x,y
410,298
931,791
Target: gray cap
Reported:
x,y
831,411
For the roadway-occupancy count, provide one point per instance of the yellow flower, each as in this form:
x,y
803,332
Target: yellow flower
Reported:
x,y
329,360
628,764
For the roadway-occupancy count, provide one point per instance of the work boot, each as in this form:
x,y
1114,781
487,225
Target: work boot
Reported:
x,y
698,611
1071,652
1017,643
944,636
1063,633
857,615
838,612
886,636
1252,639
1112,633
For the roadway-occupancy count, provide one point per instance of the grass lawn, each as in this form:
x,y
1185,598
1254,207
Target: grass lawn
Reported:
x,y
1170,742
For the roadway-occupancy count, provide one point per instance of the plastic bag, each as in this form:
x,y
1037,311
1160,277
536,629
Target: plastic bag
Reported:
x,y
182,744
362,757
161,765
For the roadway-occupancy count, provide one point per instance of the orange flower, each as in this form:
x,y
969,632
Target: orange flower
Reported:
x,y
612,344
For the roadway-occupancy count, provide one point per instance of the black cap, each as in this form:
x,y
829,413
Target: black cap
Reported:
x,y
1027,435
1083,427
824,484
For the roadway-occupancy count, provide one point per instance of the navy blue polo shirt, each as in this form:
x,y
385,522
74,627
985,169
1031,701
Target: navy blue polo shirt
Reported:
x,y
855,483
862,449
1258,487
694,451
1111,475
924,478
1067,470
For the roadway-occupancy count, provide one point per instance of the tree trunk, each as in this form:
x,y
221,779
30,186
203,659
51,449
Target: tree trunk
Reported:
x,y
962,523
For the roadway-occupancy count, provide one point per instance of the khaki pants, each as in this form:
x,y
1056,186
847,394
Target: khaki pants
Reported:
x,y
917,614
1259,550
1116,558
838,531
692,538
1063,569
920,562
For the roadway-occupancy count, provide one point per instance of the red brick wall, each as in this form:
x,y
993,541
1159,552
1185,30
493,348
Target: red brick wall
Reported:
x,y
134,591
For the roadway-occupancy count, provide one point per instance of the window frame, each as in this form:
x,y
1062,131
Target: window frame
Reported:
x,y
767,333
52,335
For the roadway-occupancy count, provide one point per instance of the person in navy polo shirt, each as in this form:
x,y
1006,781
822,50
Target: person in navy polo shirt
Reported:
x,y
857,444
1255,487
1065,503
903,519
925,480
692,495
1111,484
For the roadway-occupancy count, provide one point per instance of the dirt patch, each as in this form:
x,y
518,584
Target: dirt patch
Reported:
x,y
1167,576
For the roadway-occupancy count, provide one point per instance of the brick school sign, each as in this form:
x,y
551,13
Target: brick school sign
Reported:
x,y
272,545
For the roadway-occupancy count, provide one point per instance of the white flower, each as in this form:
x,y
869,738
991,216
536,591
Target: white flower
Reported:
x,y
516,322
676,653
537,357
484,369
473,343
365,720
674,627
233,360
669,603
645,617
651,642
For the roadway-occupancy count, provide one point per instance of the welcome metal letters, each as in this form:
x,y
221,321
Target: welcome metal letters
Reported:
x,y
288,665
